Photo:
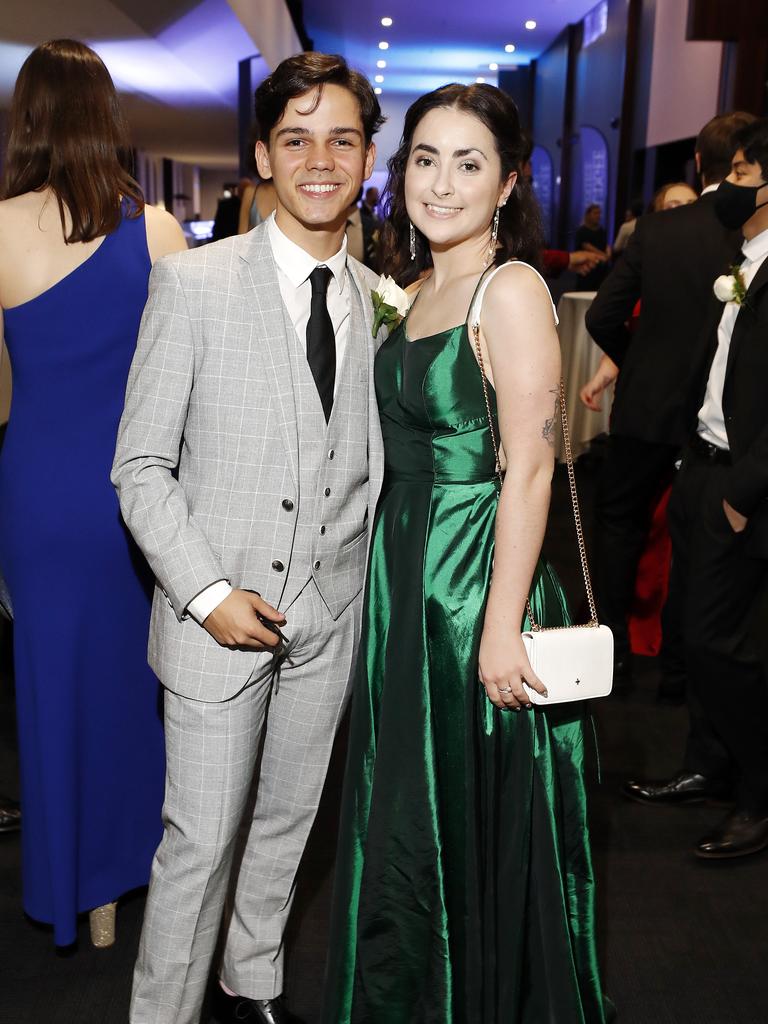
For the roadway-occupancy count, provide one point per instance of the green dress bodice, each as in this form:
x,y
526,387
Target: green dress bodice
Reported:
x,y
464,888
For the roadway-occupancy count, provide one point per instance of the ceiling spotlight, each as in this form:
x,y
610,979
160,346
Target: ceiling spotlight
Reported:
x,y
381,63
378,78
509,48
383,45
377,90
530,24
386,22
480,81
493,67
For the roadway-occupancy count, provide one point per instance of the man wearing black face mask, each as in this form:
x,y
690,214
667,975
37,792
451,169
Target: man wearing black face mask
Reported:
x,y
718,518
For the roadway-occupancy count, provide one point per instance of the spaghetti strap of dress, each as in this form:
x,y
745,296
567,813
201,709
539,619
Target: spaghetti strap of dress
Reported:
x,y
474,312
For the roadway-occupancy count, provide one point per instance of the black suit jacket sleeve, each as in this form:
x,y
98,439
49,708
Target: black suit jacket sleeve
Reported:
x,y
747,485
608,315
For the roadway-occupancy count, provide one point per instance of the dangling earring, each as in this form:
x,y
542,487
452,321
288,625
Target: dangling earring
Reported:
x,y
412,239
494,236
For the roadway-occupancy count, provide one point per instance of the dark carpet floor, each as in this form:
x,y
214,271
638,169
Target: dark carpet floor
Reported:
x,y
682,942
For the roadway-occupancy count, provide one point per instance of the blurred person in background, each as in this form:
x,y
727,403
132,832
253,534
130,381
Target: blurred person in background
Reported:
x,y
672,195
257,202
76,245
626,229
592,237
227,218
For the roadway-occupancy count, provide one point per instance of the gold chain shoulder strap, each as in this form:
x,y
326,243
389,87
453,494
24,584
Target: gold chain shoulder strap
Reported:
x,y
571,480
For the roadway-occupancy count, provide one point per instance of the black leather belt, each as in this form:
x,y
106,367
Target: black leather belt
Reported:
x,y
709,452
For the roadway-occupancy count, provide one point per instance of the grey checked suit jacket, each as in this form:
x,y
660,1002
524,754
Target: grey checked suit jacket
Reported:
x,y
208,445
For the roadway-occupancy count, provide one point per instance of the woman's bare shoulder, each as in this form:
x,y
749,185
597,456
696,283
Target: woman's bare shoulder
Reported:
x,y
164,234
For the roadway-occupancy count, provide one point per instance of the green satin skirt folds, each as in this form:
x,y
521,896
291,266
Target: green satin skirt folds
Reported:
x,y
464,889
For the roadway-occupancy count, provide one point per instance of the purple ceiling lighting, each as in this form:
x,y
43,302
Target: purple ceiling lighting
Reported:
x,y
432,43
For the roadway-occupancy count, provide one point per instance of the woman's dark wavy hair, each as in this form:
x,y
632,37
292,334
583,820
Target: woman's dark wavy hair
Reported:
x,y
67,133
520,232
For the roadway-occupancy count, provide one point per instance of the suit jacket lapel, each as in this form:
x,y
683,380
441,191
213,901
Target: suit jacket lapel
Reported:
x,y
745,319
258,275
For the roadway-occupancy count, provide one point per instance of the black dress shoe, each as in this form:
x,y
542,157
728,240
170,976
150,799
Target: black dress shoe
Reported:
x,y
10,815
240,1010
742,833
685,788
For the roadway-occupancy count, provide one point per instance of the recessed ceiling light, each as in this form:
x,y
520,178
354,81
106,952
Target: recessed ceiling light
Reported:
x,y
377,90
530,24
381,63
480,80
383,45
378,78
386,22
493,67
509,48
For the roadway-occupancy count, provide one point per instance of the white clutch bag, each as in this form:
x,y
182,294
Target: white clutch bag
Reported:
x,y
573,662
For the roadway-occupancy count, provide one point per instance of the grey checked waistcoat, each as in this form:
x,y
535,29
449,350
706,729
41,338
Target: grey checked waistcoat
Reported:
x,y
330,537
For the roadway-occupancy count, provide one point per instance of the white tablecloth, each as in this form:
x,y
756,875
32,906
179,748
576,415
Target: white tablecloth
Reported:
x,y
581,357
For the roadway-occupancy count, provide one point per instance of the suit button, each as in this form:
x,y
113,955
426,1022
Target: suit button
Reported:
x,y
315,565
277,565
331,453
327,492
322,531
287,504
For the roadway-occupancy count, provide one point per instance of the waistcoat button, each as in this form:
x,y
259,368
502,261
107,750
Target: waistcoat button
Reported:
x,y
322,531
315,565
331,453
277,565
287,504
327,492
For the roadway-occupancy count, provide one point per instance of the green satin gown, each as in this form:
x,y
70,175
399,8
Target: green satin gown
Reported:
x,y
464,889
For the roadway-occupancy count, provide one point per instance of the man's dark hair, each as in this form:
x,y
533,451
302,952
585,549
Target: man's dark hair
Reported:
x,y
716,144
753,140
305,72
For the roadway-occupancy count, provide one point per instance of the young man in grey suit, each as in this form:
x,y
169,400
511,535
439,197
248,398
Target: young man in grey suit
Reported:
x,y
249,461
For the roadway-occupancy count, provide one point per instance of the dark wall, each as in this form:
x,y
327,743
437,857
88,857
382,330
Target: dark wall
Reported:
x,y
597,103
517,83
549,90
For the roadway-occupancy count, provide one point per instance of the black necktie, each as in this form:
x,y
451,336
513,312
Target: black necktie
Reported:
x,y
321,342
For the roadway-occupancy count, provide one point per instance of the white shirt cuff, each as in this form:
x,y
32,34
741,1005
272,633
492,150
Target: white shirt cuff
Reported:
x,y
207,600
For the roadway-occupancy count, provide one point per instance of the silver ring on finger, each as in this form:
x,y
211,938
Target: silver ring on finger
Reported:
x,y
503,689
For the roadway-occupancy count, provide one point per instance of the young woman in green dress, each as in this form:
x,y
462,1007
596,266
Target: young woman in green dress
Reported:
x,y
464,889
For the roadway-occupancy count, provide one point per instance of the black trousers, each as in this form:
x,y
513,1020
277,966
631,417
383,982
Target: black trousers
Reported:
x,y
634,475
721,587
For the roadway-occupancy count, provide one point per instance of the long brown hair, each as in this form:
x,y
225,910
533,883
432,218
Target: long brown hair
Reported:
x,y
67,133
520,233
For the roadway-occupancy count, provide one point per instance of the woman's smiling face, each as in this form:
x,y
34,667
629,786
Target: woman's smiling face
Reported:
x,y
453,177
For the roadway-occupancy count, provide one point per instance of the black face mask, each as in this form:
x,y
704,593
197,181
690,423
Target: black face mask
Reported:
x,y
735,204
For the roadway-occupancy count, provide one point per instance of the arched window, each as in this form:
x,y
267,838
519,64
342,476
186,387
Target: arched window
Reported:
x,y
543,187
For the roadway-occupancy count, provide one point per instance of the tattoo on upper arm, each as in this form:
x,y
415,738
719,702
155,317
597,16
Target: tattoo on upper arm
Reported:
x,y
548,430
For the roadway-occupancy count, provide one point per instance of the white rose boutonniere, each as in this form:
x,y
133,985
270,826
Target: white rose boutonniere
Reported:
x,y
731,287
390,303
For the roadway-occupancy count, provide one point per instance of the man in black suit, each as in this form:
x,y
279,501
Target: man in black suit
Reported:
x,y
669,264
718,519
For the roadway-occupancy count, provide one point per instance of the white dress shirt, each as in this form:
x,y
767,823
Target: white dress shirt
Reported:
x,y
711,419
294,265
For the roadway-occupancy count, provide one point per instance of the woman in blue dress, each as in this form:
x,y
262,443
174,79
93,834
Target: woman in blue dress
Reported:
x,y
76,247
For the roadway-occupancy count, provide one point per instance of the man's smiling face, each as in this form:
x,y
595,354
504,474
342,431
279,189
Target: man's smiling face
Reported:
x,y
318,160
